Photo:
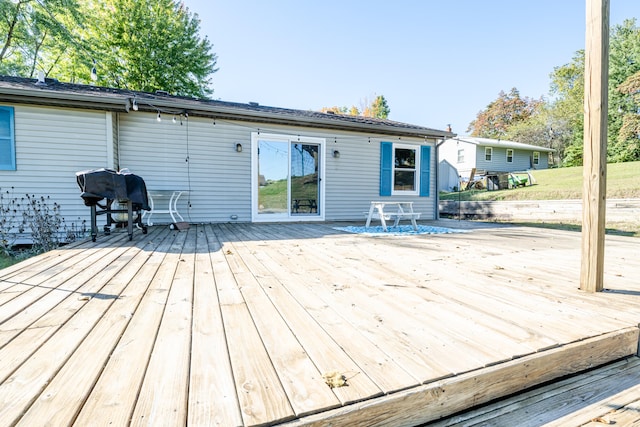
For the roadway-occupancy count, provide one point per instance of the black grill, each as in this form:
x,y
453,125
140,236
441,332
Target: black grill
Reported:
x,y
124,195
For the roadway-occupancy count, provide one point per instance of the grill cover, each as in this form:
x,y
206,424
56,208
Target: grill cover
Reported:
x,y
98,184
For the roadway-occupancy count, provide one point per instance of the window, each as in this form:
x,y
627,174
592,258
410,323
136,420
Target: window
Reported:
x,y
460,155
7,140
404,169
536,157
488,153
509,155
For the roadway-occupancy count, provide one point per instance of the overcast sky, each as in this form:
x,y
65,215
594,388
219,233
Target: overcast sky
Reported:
x,y
436,62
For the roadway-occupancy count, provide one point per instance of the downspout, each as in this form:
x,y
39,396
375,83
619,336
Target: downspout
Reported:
x,y
442,141
437,205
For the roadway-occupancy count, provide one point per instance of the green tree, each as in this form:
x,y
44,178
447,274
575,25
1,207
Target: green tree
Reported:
x,y
624,62
507,110
153,45
378,108
629,134
567,85
145,45
567,88
34,34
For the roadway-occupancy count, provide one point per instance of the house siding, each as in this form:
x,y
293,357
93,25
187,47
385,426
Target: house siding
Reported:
x,y
52,144
353,180
449,151
197,156
220,178
498,163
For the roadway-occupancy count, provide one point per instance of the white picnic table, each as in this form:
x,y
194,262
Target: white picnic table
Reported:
x,y
164,202
392,210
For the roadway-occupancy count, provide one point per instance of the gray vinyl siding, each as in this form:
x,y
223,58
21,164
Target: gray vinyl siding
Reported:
x,y
498,163
220,178
52,144
197,156
353,180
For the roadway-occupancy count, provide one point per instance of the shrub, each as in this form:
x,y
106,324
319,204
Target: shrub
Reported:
x,y
37,215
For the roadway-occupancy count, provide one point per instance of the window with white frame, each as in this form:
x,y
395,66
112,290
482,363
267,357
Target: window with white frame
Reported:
x,y
460,155
536,158
7,139
488,153
405,169
509,155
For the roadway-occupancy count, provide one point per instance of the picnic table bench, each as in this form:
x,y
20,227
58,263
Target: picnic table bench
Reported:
x,y
310,204
395,211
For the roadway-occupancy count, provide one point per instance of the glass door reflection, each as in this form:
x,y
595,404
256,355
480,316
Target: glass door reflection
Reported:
x,y
304,186
273,168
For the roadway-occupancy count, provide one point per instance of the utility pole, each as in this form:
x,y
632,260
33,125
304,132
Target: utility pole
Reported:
x,y
594,198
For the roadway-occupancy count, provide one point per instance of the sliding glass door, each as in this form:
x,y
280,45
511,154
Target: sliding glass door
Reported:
x,y
287,178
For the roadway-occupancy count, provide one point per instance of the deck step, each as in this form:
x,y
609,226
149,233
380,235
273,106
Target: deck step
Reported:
x,y
601,396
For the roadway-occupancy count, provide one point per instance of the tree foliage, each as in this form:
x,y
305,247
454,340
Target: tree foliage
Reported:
x,y
34,34
378,108
508,110
559,122
568,87
628,141
145,45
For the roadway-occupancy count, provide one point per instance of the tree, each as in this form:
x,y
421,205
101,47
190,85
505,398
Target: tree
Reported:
x,y
144,45
32,30
153,45
377,108
544,129
567,87
624,63
628,140
506,111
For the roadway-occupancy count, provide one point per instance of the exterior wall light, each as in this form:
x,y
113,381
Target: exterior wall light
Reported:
x,y
336,154
239,147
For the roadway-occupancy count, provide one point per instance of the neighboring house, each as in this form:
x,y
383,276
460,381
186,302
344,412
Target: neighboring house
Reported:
x,y
492,155
238,162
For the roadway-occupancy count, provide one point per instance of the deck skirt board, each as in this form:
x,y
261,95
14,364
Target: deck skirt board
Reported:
x,y
236,324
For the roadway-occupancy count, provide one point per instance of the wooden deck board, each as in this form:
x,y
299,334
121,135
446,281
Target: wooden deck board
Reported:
x,y
212,393
607,394
235,325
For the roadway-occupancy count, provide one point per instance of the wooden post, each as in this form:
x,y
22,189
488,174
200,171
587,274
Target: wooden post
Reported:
x,y
596,77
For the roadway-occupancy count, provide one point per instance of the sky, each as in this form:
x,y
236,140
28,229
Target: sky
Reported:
x,y
436,62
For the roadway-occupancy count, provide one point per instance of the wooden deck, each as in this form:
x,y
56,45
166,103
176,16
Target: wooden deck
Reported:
x,y
237,325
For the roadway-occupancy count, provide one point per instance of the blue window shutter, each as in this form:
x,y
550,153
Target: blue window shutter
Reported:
x,y
7,140
386,168
425,170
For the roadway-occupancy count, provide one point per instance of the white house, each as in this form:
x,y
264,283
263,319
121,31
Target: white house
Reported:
x,y
235,162
492,155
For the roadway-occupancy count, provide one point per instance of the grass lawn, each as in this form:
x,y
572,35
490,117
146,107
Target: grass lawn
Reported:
x,y
623,181
6,261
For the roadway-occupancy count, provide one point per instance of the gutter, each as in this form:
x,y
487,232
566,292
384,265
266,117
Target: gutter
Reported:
x,y
122,102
